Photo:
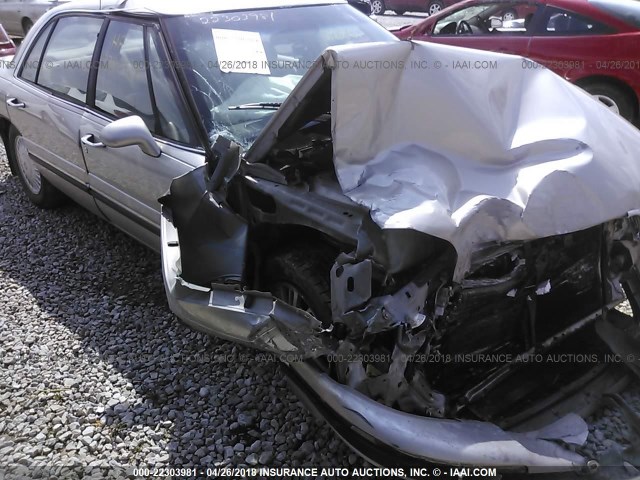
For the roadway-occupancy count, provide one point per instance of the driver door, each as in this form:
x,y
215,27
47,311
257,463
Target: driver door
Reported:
x,y
134,78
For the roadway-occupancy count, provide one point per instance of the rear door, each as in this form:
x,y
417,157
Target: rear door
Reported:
x,y
135,77
46,101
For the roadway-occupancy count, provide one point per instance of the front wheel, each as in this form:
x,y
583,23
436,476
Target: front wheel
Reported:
x,y
614,98
300,277
377,7
37,188
434,7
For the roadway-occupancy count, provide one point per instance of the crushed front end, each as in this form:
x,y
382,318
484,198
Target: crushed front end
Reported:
x,y
467,303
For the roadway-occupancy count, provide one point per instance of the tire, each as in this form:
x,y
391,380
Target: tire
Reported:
x,y
434,7
26,25
37,188
305,270
613,97
377,7
399,12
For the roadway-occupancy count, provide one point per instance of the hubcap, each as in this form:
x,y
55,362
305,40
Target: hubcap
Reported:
x,y
376,7
508,17
608,102
28,169
434,8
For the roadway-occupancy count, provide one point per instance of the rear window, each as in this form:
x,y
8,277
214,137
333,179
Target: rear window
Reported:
x,y
626,10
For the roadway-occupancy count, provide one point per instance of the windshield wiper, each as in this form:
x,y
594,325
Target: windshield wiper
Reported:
x,y
257,106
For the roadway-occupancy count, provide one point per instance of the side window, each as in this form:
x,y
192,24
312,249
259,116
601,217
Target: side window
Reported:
x,y
123,82
67,59
30,65
563,22
121,85
448,24
500,18
173,120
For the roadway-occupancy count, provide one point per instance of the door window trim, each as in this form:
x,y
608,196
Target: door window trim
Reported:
x,y
199,148
54,22
95,64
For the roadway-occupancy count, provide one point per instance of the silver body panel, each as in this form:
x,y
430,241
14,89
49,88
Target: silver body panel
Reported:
x,y
127,183
121,185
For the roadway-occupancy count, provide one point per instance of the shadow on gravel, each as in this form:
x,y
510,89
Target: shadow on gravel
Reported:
x,y
130,384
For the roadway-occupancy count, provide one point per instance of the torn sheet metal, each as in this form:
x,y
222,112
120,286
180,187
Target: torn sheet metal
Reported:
x,y
389,311
467,145
350,286
212,235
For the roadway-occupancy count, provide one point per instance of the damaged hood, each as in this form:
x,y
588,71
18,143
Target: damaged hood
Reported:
x,y
469,146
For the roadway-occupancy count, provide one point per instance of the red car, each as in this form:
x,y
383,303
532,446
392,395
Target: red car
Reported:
x,y
592,43
378,7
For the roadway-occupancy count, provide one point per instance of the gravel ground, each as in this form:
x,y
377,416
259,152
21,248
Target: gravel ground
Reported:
x,y
95,371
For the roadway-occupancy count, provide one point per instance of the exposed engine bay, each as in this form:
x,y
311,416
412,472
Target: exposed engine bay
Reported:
x,y
405,334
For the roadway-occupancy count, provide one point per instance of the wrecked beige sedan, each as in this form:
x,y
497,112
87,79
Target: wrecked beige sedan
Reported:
x,y
441,256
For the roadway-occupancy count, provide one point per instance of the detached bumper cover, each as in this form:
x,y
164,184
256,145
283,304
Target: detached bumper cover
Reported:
x,y
253,318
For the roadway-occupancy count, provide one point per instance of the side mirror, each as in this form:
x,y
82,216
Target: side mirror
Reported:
x,y
496,22
130,131
364,7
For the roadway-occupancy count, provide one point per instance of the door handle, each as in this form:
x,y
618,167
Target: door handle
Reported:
x,y
15,103
88,141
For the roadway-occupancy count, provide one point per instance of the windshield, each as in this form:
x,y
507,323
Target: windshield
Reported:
x,y
241,66
626,10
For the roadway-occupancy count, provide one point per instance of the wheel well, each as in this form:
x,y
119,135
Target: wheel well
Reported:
x,y
269,239
5,127
626,89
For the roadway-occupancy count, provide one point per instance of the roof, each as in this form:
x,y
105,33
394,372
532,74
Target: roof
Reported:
x,y
185,7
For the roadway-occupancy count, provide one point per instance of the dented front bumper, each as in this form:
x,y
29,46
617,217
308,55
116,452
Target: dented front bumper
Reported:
x,y
385,435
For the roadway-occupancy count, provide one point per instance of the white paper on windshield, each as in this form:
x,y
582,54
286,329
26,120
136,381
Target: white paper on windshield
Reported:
x,y
240,52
